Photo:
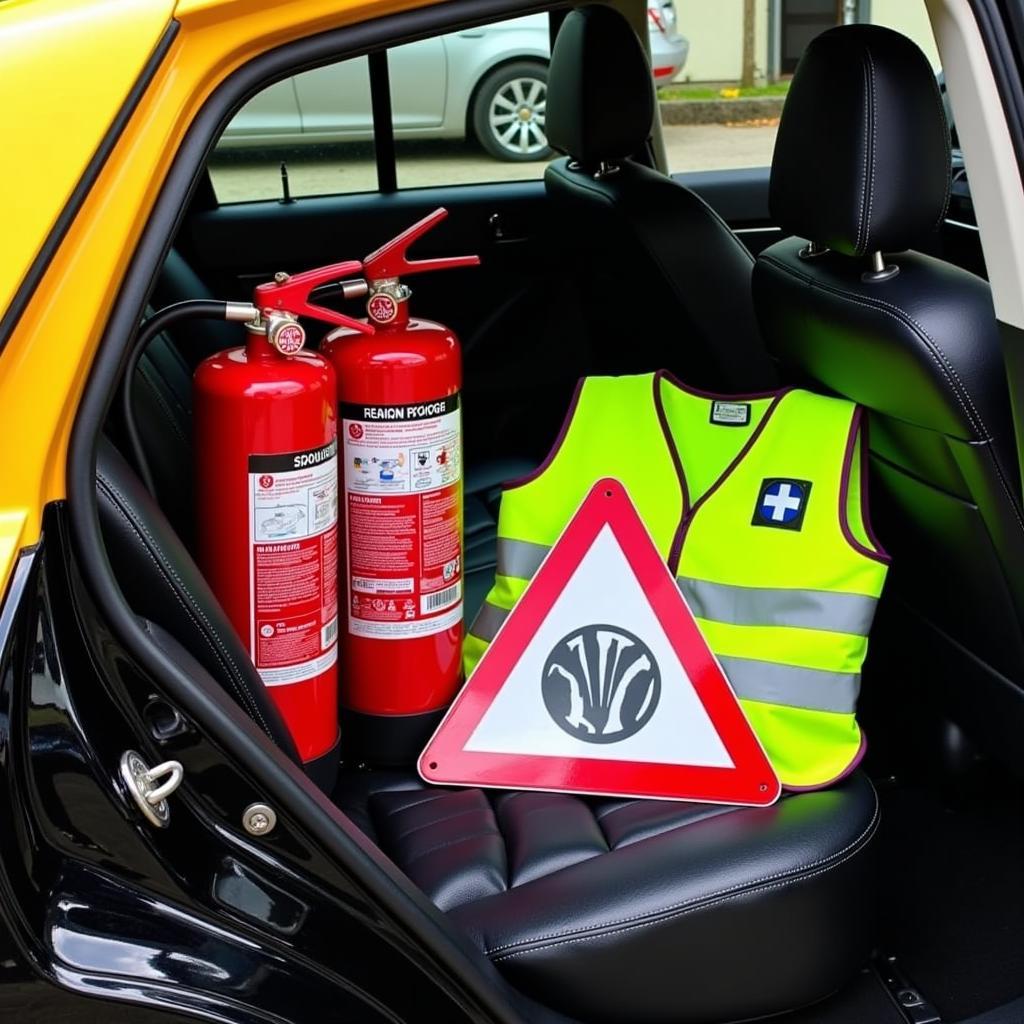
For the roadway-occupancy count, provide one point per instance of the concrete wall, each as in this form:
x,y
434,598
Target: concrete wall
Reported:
x,y
909,17
715,31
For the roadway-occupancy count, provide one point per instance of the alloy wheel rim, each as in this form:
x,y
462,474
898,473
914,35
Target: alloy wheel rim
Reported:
x,y
516,116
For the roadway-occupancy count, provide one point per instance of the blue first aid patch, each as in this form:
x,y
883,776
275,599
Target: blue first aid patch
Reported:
x,y
782,503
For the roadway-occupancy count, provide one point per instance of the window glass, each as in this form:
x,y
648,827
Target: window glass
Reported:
x,y
722,108
318,124
470,106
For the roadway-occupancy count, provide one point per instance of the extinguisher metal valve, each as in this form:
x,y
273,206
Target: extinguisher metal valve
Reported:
x,y
290,294
240,312
354,289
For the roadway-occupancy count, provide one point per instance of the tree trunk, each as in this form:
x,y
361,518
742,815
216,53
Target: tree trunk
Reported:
x,y
749,63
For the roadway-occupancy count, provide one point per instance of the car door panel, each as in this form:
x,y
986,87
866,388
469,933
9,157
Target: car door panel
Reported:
x,y
521,333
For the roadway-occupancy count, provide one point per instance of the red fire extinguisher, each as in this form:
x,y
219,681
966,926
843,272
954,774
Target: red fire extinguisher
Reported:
x,y
267,504
400,446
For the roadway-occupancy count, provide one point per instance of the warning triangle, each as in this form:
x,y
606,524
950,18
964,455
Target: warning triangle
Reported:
x,y
599,681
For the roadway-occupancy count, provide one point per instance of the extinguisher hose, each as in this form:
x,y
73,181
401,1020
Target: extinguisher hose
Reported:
x,y
190,309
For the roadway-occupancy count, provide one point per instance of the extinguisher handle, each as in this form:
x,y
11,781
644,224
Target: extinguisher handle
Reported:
x,y
291,294
390,259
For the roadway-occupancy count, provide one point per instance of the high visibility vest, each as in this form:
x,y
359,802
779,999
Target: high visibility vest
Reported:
x,y
757,504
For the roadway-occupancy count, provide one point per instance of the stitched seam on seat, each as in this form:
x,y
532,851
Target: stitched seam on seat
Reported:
x,y
1006,486
428,799
796,874
649,829
604,931
436,821
209,635
938,357
544,808
453,842
901,316
864,165
872,113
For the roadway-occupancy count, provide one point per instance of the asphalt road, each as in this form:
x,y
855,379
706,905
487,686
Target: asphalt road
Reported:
x,y
322,170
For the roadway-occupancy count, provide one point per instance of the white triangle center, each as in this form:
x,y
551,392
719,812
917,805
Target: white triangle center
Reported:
x,y
602,589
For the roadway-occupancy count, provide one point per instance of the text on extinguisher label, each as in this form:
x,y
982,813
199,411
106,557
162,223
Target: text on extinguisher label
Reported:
x,y
405,412
293,537
403,472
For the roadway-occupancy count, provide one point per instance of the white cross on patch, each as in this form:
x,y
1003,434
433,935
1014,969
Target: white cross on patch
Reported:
x,y
781,502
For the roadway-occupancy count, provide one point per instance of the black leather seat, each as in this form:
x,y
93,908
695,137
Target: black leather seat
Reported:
x,y
862,169
659,270
607,910
633,910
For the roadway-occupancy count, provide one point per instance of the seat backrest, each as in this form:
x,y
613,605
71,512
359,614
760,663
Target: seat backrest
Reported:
x,y
664,280
162,391
163,585
862,170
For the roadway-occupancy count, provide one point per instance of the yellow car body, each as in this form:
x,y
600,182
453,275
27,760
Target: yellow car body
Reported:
x,y
98,96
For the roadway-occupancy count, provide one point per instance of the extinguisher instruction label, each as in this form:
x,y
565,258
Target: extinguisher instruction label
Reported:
x,y
293,539
403,473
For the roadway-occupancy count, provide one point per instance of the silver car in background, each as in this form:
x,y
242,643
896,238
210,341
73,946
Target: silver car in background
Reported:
x,y
487,83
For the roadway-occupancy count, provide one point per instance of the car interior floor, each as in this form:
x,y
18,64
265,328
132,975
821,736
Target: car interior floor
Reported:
x,y
951,888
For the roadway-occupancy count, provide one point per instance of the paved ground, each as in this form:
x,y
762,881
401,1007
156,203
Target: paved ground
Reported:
x,y
323,170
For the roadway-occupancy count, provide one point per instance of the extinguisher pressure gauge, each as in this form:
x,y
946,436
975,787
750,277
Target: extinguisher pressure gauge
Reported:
x,y
285,333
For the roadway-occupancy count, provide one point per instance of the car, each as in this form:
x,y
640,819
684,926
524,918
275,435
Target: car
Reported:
x,y
168,853
488,83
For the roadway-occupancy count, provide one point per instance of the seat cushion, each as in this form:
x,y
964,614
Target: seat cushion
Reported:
x,y
633,910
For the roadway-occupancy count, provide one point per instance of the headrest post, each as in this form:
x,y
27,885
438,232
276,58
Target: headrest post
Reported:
x,y
810,250
880,270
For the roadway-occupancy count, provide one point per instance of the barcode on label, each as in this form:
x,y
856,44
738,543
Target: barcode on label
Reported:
x,y
440,599
328,634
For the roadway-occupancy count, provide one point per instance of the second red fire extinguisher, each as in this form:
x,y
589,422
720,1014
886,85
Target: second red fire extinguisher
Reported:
x,y
400,452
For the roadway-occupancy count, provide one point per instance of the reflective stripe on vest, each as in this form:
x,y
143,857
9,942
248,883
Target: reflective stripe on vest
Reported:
x,y
786,610
744,606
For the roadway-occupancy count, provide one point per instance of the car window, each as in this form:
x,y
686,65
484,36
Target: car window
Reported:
x,y
722,109
466,106
313,131
470,106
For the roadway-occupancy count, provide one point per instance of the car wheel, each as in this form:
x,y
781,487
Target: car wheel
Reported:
x,y
509,112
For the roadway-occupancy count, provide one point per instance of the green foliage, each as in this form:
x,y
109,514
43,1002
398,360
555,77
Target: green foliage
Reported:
x,y
704,92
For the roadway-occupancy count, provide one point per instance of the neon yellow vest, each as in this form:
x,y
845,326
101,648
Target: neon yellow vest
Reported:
x,y
784,595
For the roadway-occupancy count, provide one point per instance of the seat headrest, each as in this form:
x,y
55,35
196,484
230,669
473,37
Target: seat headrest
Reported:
x,y
862,157
600,104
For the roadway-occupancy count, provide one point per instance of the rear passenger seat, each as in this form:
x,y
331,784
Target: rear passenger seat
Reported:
x,y
607,910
